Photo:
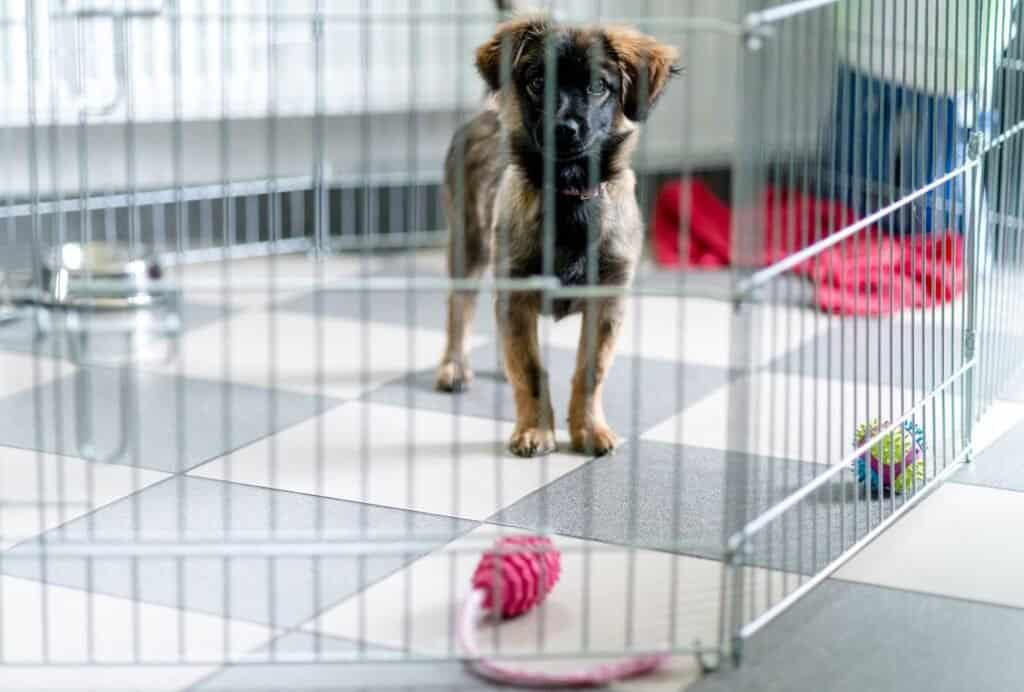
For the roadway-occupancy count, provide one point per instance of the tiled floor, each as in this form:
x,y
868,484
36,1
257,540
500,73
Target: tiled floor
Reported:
x,y
932,604
297,415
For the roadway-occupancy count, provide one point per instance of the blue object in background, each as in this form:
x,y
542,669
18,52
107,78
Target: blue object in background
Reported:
x,y
890,140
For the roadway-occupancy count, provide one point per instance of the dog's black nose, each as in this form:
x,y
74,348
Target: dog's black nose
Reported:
x,y
567,131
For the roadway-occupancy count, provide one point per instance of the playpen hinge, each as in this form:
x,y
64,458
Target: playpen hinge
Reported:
x,y
969,344
755,32
974,145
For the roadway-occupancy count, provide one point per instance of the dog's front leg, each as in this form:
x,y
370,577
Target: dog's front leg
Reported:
x,y
534,433
602,321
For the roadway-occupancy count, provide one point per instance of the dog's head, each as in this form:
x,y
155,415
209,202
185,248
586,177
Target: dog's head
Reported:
x,y
583,84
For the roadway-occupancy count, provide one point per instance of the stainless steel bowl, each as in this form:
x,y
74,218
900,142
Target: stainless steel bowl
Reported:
x,y
101,276
8,311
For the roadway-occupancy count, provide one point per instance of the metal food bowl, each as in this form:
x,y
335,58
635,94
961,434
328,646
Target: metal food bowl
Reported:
x,y
101,276
109,302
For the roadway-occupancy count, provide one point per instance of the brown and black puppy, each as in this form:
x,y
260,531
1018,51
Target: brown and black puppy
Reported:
x,y
561,133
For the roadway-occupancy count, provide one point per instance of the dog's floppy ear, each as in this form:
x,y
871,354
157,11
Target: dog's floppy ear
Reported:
x,y
509,40
646,66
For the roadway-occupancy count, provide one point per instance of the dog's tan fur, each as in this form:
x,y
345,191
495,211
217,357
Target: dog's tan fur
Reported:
x,y
496,217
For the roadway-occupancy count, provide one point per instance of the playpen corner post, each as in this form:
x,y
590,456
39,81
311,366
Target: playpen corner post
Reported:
x,y
746,248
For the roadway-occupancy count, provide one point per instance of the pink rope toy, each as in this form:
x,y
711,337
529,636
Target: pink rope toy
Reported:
x,y
512,579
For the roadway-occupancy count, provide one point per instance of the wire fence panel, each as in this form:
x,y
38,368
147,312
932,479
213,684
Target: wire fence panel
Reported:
x,y
916,159
306,306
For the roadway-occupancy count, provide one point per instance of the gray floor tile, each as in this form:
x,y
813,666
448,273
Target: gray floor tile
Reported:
x,y
281,591
19,335
365,670
635,395
999,465
661,496
864,350
413,308
852,638
33,419
718,284
427,309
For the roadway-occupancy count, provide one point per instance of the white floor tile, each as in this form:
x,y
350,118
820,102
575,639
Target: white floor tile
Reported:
x,y
999,419
796,417
26,511
963,541
20,371
624,600
279,350
421,460
696,330
246,283
47,624
100,678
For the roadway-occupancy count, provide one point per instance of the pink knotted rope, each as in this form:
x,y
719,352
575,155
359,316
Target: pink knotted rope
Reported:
x,y
511,580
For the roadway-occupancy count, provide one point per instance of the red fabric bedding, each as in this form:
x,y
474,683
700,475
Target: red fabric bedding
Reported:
x,y
869,273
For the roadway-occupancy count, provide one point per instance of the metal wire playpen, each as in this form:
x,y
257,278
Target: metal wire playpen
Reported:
x,y
221,302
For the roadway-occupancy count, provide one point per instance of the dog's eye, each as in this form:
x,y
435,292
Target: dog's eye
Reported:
x,y
597,88
536,85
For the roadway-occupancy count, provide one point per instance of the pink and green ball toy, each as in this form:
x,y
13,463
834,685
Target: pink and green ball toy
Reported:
x,y
896,462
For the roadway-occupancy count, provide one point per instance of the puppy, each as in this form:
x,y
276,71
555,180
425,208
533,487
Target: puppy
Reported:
x,y
540,205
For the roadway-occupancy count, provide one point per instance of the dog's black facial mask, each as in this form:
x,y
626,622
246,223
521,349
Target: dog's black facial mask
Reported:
x,y
568,109
576,91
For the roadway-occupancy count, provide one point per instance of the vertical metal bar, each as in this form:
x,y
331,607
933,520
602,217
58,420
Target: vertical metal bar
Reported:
x,y
411,316
935,168
746,234
31,41
834,114
893,186
846,154
227,387
128,377
320,244
859,206
774,178
813,186
974,221
1015,148
458,267
1003,266
948,407
180,231
274,236
799,223
643,87
7,534
996,232
1012,350
876,236
914,230
368,227
1012,226
548,206
678,482
907,220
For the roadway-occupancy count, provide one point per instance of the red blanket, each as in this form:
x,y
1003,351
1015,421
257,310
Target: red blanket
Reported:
x,y
869,273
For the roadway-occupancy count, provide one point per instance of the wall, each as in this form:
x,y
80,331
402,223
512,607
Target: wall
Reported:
x,y
396,122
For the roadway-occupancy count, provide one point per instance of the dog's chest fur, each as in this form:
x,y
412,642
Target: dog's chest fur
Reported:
x,y
593,241
576,231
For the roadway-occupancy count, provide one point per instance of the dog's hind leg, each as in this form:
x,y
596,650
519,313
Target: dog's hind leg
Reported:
x,y
468,258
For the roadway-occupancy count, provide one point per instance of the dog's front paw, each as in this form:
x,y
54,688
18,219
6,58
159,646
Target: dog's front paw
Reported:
x,y
532,442
598,440
453,376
